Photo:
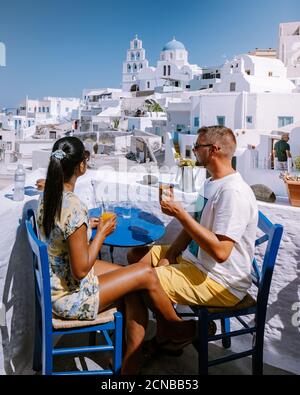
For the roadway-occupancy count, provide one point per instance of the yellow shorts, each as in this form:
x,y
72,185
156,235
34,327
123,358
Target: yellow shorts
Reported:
x,y
185,284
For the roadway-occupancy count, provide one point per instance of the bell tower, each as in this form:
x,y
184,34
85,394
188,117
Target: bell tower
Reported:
x,y
135,62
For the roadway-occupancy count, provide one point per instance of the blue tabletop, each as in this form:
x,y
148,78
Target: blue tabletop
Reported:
x,y
140,229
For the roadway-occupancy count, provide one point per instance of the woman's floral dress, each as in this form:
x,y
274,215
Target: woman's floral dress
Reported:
x,y
71,299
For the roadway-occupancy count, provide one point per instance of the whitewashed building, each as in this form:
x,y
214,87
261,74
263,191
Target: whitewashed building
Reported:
x,y
173,70
254,74
50,109
289,49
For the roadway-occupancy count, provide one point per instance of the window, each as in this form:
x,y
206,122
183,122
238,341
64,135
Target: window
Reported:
x,y
134,67
48,109
188,86
232,86
165,70
129,68
9,145
40,110
43,109
169,70
283,121
221,120
248,72
138,56
179,128
148,84
135,44
249,119
196,122
270,73
132,56
141,66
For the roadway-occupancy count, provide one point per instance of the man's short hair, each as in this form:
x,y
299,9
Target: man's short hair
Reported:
x,y
221,136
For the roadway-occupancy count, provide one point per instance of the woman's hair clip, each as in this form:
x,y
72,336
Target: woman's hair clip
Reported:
x,y
59,154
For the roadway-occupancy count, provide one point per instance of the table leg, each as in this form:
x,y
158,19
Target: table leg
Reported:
x,y
111,250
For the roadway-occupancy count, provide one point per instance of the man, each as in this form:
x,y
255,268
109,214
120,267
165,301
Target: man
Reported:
x,y
281,153
210,261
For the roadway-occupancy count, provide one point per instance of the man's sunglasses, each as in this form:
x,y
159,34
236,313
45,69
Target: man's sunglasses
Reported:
x,y
197,146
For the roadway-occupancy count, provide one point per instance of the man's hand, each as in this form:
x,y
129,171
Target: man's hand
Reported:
x,y
167,260
171,208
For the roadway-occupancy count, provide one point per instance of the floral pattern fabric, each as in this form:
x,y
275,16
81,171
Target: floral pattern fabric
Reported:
x,y
71,299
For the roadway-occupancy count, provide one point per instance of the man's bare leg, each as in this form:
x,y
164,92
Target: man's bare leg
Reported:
x,y
139,254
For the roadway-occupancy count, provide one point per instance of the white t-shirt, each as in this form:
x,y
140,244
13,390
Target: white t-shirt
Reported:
x,y
231,210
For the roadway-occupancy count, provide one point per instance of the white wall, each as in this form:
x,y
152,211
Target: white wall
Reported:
x,y
139,123
269,106
253,176
40,159
295,141
26,147
265,108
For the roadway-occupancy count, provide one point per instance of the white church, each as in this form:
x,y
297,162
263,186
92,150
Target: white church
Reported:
x,y
173,69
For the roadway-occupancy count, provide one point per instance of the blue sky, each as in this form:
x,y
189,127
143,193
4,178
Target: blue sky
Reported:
x,y
59,47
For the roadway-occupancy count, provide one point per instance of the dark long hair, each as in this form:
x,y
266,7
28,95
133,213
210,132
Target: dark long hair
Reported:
x,y
61,168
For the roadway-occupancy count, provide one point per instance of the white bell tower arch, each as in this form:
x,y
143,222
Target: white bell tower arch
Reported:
x,y
135,62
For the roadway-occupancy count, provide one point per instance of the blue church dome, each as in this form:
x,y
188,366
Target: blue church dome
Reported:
x,y
173,45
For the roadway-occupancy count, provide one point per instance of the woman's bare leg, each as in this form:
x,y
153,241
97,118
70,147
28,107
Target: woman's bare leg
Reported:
x,y
102,267
139,276
136,324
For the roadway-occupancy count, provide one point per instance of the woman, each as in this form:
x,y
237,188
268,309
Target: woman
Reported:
x,y
81,285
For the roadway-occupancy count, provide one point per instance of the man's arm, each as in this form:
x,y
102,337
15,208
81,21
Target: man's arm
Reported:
x,y
217,246
178,246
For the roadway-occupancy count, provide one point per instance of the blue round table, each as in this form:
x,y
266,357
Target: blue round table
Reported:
x,y
140,229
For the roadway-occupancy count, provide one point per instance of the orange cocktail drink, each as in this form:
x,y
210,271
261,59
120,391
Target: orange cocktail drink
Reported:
x,y
107,215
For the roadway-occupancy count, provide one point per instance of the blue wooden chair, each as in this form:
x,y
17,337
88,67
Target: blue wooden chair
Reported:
x,y
48,327
248,306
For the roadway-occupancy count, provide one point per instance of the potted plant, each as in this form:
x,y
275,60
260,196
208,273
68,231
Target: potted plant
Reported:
x,y
293,187
185,175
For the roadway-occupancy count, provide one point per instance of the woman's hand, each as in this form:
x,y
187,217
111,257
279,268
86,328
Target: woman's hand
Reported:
x,y
94,222
107,227
40,184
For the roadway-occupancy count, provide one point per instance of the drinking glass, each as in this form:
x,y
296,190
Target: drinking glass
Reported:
x,y
126,209
166,190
